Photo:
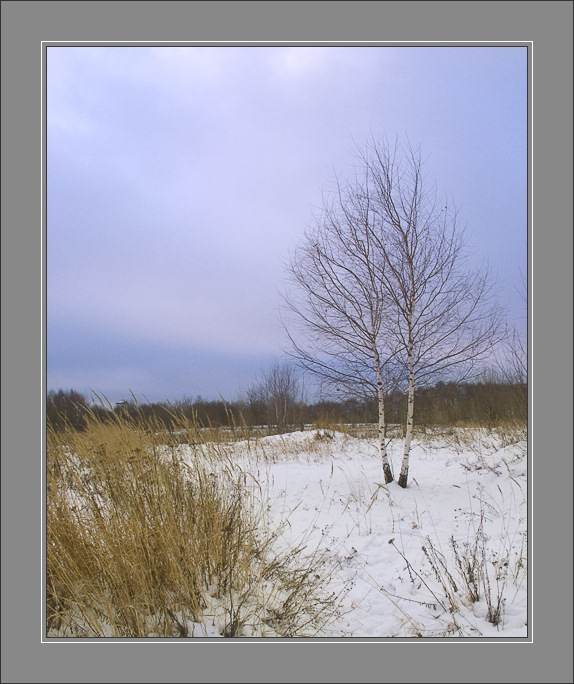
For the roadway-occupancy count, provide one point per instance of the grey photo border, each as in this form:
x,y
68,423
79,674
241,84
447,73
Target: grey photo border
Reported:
x,y
27,27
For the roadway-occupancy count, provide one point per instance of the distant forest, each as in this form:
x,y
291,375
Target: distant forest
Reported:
x,y
487,403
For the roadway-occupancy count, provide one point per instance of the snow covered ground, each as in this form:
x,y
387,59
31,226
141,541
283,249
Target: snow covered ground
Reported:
x,y
445,557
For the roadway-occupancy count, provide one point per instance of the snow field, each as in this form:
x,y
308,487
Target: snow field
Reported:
x,y
409,559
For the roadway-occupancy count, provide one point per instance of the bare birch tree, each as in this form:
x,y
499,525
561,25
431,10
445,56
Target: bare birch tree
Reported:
x,y
383,287
445,318
338,298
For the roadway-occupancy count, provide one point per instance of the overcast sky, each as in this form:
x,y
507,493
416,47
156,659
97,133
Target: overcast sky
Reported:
x,y
178,179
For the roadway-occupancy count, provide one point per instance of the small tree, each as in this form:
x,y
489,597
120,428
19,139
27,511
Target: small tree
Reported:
x,y
339,299
383,290
445,319
513,363
277,396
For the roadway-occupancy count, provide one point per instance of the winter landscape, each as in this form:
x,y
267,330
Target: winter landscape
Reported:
x,y
351,275
445,557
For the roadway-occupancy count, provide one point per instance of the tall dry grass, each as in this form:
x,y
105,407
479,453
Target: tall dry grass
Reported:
x,y
152,535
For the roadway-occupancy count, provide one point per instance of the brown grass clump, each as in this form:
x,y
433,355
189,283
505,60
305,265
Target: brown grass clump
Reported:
x,y
149,537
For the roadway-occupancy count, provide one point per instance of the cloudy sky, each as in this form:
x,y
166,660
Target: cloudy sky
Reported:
x,y
178,179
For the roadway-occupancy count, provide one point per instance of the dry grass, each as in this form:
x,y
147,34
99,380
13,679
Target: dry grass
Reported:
x,y
161,533
148,537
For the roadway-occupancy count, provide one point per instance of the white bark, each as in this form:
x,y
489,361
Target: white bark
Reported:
x,y
387,471
403,477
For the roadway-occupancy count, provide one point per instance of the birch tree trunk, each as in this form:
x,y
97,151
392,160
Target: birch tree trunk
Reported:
x,y
404,475
387,472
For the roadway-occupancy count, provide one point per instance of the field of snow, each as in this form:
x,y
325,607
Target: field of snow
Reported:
x,y
445,557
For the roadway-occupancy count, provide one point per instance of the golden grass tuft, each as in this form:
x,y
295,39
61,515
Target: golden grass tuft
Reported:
x,y
150,534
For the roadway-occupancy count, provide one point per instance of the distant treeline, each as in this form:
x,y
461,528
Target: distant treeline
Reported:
x,y
487,403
